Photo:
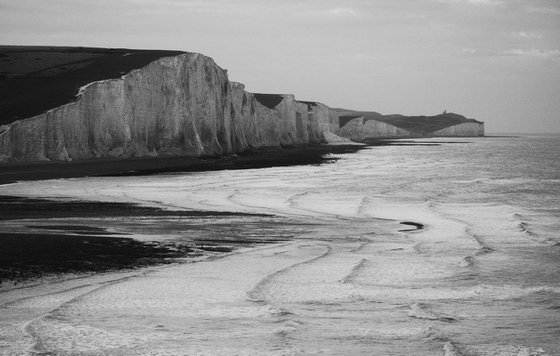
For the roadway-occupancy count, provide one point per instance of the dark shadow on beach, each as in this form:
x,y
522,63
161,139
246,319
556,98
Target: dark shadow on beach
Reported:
x,y
52,238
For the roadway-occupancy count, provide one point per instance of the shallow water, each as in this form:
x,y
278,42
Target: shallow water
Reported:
x,y
482,277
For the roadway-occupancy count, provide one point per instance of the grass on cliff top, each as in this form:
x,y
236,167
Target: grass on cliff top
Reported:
x,y
34,79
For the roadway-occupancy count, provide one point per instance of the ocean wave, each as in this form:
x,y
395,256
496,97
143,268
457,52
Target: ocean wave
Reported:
x,y
524,228
520,224
279,312
423,311
509,291
467,261
256,294
450,349
496,181
454,349
505,181
360,246
484,247
484,251
470,181
350,277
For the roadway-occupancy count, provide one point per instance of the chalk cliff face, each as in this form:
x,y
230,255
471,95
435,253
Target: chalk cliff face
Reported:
x,y
359,129
184,105
181,105
360,126
320,117
468,129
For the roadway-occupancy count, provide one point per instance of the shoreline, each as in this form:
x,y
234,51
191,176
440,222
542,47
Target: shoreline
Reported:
x,y
100,247
12,172
42,252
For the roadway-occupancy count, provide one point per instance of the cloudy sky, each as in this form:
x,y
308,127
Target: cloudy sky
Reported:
x,y
493,60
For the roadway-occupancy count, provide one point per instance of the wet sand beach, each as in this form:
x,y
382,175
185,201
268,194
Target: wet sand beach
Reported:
x,y
31,251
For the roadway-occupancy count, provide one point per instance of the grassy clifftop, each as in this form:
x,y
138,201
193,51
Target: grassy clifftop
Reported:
x,y
34,79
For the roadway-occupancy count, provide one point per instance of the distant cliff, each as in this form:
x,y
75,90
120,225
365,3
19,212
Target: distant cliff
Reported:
x,y
359,129
468,129
360,126
178,105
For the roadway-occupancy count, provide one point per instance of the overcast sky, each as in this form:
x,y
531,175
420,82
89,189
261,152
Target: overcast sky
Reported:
x,y
493,60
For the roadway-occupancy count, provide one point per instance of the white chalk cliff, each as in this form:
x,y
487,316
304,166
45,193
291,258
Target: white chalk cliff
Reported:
x,y
359,129
467,129
179,106
182,105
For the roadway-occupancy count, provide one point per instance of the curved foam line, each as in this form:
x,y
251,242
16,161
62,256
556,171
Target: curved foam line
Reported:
x,y
483,245
350,277
37,346
421,311
361,246
255,294
468,261
362,206
12,302
449,349
231,198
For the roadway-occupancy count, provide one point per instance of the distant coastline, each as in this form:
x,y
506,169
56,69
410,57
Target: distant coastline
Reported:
x,y
82,104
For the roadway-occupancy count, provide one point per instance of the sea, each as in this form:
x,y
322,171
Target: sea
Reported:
x,y
436,246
